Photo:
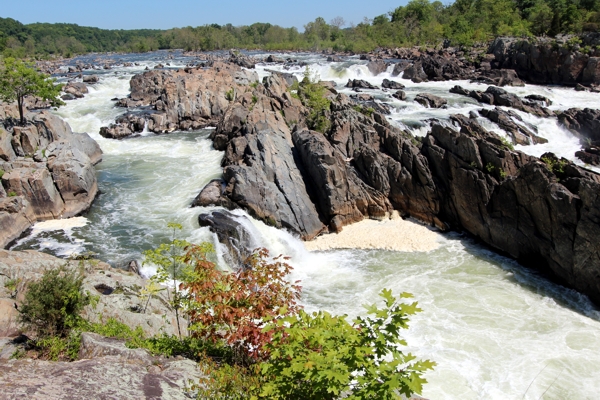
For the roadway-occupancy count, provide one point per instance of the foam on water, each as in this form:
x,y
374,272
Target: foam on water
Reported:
x,y
491,325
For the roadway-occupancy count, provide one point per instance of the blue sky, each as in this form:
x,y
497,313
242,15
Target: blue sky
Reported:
x,y
135,14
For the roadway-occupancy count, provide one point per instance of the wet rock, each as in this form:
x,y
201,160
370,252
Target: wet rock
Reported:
x,y
359,83
589,155
273,59
232,233
400,67
497,96
415,73
519,132
388,84
90,79
400,95
431,101
377,67
583,122
76,89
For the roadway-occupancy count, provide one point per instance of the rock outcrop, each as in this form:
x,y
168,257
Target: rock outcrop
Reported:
x,y
47,172
111,372
119,292
543,213
546,61
190,98
500,97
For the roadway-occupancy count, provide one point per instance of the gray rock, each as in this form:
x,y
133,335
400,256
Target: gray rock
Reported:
x,y
430,100
96,346
388,84
231,232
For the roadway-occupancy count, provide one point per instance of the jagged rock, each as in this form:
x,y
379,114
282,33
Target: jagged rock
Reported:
x,y
359,83
376,67
74,176
363,97
232,233
503,77
584,123
212,195
415,73
242,61
273,59
438,67
400,67
49,168
497,96
388,84
431,101
519,133
183,100
34,182
544,101
544,61
589,155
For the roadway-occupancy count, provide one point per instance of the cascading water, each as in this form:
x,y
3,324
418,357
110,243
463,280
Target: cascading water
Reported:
x,y
496,330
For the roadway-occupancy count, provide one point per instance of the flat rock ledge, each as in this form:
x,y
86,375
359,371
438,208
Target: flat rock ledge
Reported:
x,y
107,370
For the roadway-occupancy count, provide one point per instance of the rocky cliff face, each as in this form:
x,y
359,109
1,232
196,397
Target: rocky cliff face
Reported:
x,y
547,61
46,172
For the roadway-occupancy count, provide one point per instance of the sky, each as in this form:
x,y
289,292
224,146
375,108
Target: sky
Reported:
x,y
165,14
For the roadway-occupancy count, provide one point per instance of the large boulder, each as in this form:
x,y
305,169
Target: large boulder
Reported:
x,y
430,101
190,98
48,168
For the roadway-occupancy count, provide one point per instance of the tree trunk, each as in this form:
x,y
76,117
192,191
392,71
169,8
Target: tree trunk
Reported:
x,y
20,103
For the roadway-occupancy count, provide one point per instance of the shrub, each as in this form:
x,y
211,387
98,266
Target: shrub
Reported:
x,y
312,96
231,307
52,305
320,356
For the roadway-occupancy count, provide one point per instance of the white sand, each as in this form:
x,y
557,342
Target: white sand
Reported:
x,y
394,234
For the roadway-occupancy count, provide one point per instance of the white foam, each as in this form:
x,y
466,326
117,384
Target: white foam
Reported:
x,y
394,234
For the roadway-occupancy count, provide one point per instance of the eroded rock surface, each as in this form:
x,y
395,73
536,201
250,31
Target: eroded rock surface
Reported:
x,y
48,168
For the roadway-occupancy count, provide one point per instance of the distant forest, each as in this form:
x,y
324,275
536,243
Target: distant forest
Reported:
x,y
420,22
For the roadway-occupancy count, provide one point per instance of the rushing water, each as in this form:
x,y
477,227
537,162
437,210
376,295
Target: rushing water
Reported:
x,y
496,330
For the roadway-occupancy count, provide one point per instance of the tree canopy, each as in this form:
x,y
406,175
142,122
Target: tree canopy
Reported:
x,y
19,79
419,22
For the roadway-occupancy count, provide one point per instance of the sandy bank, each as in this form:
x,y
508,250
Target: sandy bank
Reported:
x,y
394,234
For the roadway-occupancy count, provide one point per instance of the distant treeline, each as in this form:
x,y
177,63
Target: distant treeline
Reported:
x,y
420,22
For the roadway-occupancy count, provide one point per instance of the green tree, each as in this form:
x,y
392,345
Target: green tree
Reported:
x,y
19,79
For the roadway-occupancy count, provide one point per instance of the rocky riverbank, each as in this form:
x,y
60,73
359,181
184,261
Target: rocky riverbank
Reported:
x,y
105,367
47,171
460,176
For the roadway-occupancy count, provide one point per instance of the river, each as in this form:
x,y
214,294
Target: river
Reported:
x,y
495,329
